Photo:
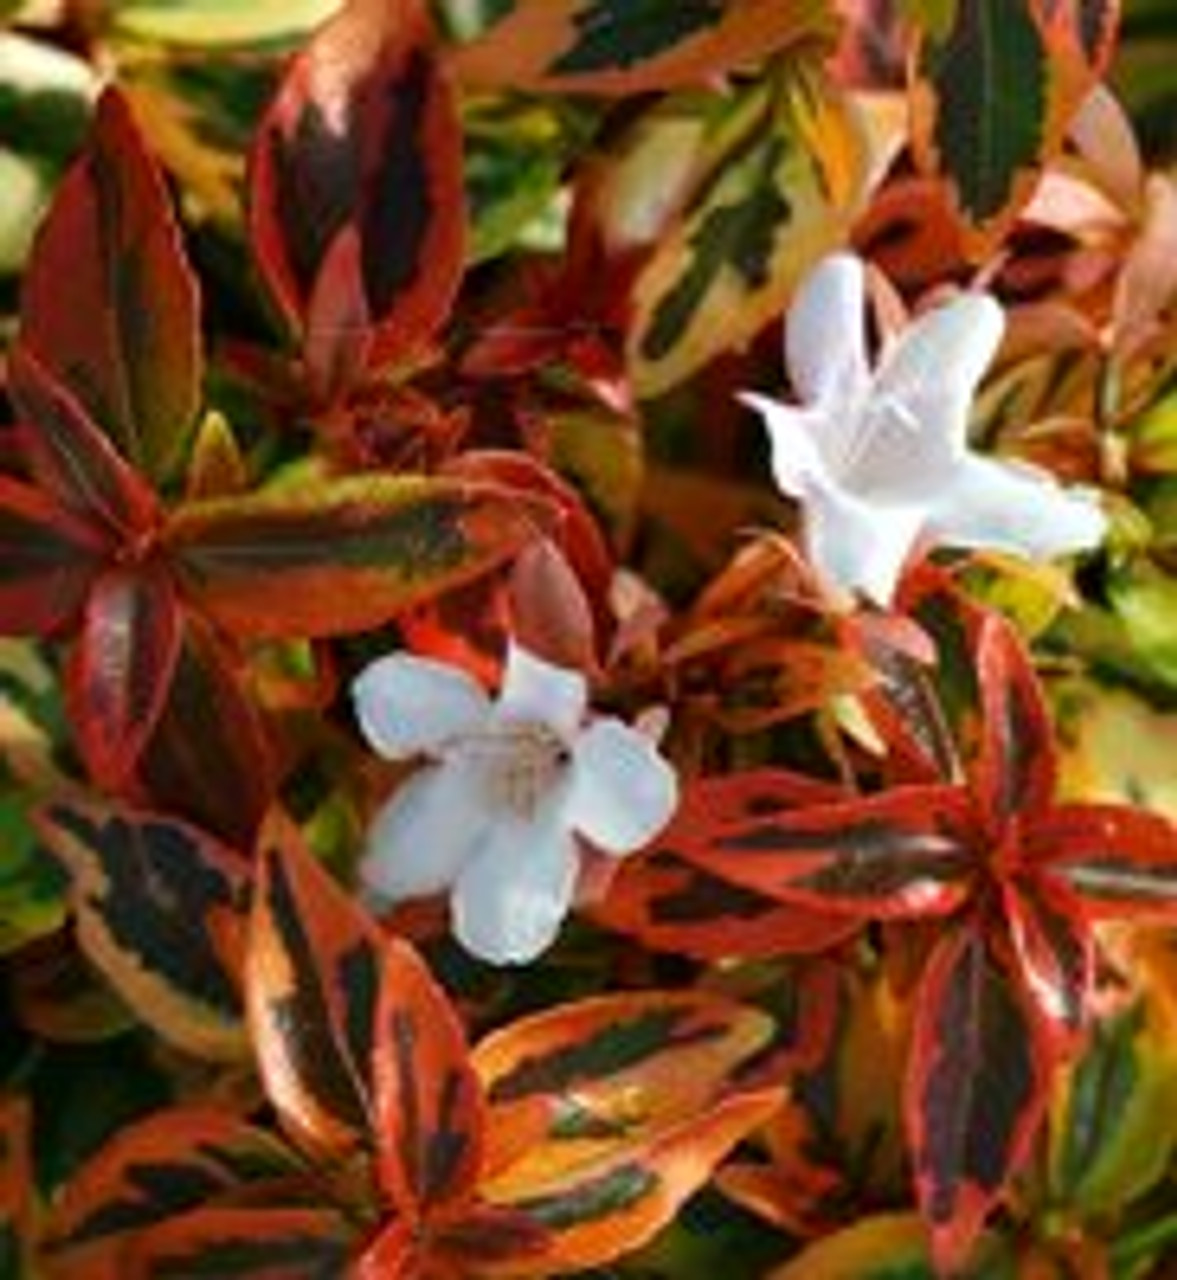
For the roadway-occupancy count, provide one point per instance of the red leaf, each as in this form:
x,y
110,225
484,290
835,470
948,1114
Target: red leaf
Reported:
x,y
121,670
902,853
358,188
976,1090
17,1185
904,705
673,900
208,759
1015,770
48,560
1054,949
1118,860
124,336
430,1111
71,458
312,977
674,905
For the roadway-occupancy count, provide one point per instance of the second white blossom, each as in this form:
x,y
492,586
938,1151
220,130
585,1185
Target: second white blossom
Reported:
x,y
879,459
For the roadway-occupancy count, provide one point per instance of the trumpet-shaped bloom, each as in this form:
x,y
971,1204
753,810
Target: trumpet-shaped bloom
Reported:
x,y
879,459
510,784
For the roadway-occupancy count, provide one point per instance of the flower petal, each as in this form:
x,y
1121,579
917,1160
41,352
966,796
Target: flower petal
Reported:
x,y
1012,507
423,837
623,792
859,546
794,437
535,690
825,342
511,899
919,405
407,705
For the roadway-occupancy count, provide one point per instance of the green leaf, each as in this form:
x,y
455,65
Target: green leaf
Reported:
x,y
32,902
212,24
885,1246
1114,1124
984,134
780,199
516,154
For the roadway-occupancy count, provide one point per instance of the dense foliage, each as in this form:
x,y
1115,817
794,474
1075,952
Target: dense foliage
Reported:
x,y
458,815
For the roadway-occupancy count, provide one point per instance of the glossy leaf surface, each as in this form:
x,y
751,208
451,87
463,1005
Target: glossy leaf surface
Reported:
x,y
72,459
643,1097
429,1103
127,345
976,1093
902,852
48,559
673,901
122,668
312,977
341,556
357,217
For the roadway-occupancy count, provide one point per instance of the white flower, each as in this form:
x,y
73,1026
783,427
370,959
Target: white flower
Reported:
x,y
880,460
494,817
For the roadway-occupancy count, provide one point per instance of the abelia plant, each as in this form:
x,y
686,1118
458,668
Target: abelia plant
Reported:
x,y
499,774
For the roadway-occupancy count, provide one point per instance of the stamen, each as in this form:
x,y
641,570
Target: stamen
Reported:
x,y
516,765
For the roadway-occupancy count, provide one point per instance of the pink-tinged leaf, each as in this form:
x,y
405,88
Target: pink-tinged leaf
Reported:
x,y
1014,773
899,854
1120,861
109,306
121,670
312,978
574,530
160,911
342,556
209,758
429,1104
72,459
976,1091
1054,950
153,1171
362,148
48,559
245,1243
